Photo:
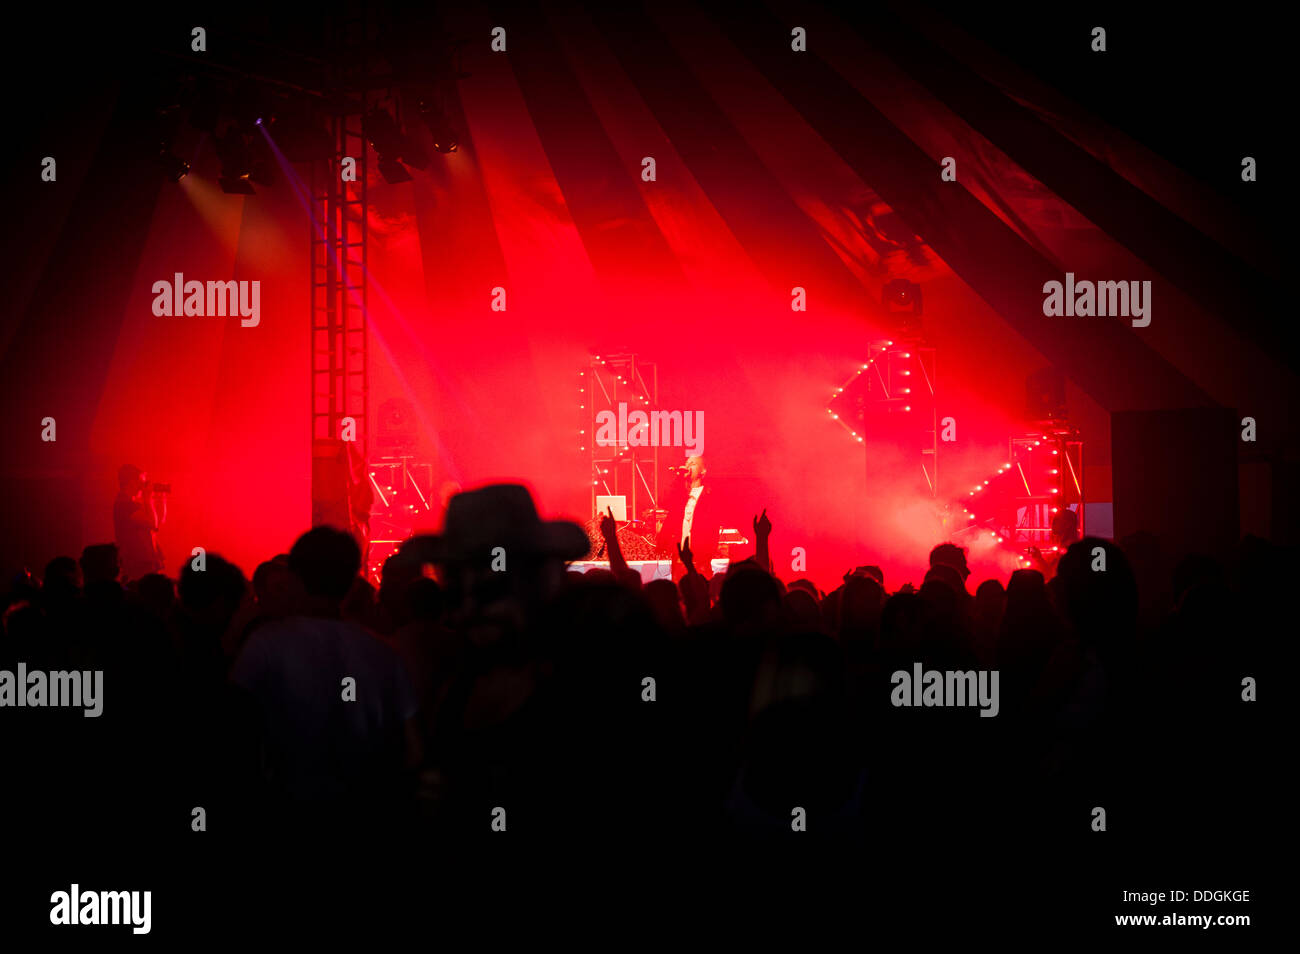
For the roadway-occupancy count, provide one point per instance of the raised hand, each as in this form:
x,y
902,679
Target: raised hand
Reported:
x,y
762,526
608,525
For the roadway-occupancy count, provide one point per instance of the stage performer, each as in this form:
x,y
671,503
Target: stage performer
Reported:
x,y
690,516
136,521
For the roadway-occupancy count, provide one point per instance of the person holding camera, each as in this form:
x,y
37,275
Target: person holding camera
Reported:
x,y
138,514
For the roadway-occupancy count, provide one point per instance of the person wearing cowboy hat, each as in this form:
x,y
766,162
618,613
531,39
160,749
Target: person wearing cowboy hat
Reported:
x,y
498,560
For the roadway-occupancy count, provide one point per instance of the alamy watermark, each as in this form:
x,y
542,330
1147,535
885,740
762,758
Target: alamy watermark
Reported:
x,y
193,299
37,689
651,429
1085,299
932,687
103,907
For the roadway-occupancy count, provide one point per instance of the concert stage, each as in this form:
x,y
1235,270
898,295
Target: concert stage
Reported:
x,y
648,569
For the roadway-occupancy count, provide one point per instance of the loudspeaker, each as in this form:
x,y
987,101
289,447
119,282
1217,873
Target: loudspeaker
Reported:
x,y
330,484
1045,396
1174,474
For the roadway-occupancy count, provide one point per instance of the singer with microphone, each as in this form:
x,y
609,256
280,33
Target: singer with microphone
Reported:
x,y
137,518
691,516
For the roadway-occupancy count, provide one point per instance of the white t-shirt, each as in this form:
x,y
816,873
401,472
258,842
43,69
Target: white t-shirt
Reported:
x,y
688,512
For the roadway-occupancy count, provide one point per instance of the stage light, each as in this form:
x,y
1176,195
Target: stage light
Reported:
x,y
393,171
445,139
236,163
1053,471
174,167
380,130
235,186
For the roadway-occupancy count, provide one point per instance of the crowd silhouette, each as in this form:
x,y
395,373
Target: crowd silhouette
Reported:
x,y
481,676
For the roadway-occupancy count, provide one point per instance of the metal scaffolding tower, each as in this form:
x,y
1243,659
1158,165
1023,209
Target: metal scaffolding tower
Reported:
x,y
339,339
617,467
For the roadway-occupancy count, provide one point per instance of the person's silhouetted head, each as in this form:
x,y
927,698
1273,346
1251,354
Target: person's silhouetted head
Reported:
x,y
665,603
948,575
100,563
872,571
62,575
1065,527
949,554
157,593
1098,591
326,560
131,479
214,593
749,595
